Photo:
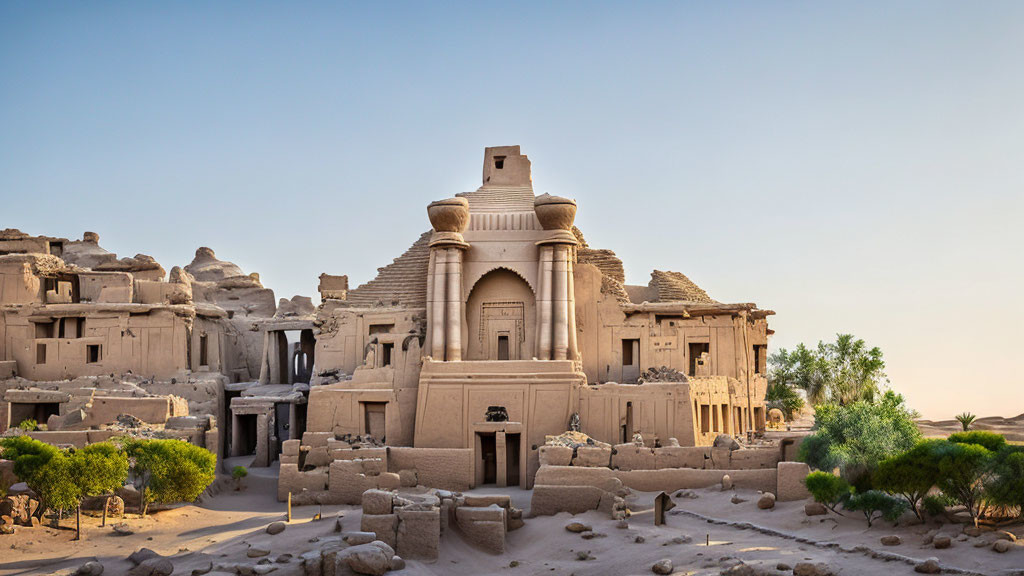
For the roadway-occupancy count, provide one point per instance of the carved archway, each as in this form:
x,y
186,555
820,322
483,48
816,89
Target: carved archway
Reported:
x,y
501,316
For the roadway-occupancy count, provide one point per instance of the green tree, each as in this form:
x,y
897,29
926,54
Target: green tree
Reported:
x,y
854,438
910,474
828,489
966,419
784,398
170,470
1005,486
841,372
963,471
239,472
100,470
876,504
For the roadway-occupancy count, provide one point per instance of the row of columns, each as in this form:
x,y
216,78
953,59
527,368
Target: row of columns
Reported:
x,y
445,308
556,304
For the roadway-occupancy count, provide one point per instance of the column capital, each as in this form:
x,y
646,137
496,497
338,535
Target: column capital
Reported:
x,y
448,240
555,237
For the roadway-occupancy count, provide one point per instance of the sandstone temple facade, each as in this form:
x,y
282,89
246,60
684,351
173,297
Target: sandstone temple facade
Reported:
x,y
496,329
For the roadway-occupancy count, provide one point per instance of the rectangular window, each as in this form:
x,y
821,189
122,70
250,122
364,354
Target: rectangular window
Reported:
x,y
203,356
714,419
40,353
387,350
503,347
499,162
760,358
80,328
705,418
696,349
93,354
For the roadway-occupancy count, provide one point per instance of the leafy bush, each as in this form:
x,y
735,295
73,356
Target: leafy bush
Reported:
x,y
876,504
989,440
856,437
966,419
963,470
29,457
170,471
1005,487
239,472
827,489
784,398
936,504
910,474
28,425
100,469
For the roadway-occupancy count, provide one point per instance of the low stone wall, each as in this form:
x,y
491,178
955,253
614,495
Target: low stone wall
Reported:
x,y
633,457
445,468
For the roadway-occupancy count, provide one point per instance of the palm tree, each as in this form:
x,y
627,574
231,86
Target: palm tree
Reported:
x,y
966,419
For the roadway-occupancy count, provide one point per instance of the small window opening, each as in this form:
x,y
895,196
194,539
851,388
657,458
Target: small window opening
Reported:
x,y
40,353
760,358
387,349
44,330
203,356
80,328
696,349
705,418
93,354
503,347
499,162
60,327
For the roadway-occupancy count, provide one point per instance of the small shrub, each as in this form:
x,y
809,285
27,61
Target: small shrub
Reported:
x,y
911,474
965,420
827,489
936,504
28,425
988,440
875,504
239,472
169,471
963,471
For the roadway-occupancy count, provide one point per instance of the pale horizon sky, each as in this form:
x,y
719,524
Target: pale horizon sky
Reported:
x,y
855,167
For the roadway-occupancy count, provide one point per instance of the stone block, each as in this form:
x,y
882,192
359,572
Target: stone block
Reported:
x,y
555,455
290,447
633,457
549,500
316,439
791,477
318,456
407,478
680,457
378,502
593,456
388,481
384,526
419,533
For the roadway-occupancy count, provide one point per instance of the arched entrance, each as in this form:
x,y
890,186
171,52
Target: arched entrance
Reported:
x,y
501,318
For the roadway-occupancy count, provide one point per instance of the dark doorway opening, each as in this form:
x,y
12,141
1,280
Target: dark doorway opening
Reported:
x,y
626,430
246,434
375,419
38,411
696,349
489,457
503,347
512,459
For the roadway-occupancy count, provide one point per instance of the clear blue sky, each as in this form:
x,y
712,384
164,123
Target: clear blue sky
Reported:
x,y
856,167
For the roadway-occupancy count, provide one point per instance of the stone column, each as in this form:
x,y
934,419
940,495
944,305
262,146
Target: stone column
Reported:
x,y
544,312
453,342
428,339
265,360
437,310
574,352
560,297
501,459
274,358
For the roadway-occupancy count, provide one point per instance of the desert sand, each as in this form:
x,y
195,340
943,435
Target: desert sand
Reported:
x,y
1011,428
221,529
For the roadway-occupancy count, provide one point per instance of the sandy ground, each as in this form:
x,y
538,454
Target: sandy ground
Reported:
x,y
222,528
1011,428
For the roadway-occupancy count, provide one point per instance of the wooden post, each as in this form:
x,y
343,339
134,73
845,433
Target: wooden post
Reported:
x,y
106,504
289,506
78,522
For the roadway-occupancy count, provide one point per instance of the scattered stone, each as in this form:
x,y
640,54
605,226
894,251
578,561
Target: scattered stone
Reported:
x,y
373,559
726,441
257,552
929,566
639,540
398,563
662,566
679,540
357,538
726,483
153,567
737,500
284,558
891,540
591,535
815,509
583,556
972,531
141,555
783,567
1002,546
205,569
122,529
740,569
91,568
513,564
942,542
767,501
808,569
578,527
276,528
